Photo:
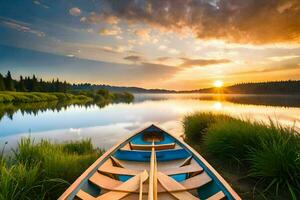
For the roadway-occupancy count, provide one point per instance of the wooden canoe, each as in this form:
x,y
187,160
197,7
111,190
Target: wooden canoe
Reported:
x,y
150,164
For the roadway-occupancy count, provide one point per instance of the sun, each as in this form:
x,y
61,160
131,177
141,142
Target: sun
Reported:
x,y
218,83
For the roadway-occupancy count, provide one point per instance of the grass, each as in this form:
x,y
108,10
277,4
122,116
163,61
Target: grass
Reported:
x,y
83,96
30,97
196,125
44,170
269,154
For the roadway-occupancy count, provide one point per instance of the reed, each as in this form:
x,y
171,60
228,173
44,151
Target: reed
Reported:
x,y
195,125
269,152
43,170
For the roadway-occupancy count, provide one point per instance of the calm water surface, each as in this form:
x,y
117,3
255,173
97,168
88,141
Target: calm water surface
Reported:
x,y
113,122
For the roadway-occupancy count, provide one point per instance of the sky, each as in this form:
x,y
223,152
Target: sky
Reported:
x,y
170,44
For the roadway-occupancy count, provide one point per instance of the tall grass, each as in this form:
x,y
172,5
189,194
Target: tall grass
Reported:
x,y
29,97
43,170
269,152
195,125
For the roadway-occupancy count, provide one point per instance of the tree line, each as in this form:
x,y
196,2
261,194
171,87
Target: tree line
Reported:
x,y
31,84
291,87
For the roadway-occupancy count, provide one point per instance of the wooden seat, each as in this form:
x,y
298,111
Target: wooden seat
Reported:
x,y
119,191
132,184
171,185
218,196
108,183
148,147
108,167
193,167
196,181
186,167
84,195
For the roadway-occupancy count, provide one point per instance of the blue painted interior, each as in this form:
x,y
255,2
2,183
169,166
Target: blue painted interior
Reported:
x,y
138,139
124,178
208,190
144,156
163,155
179,177
91,189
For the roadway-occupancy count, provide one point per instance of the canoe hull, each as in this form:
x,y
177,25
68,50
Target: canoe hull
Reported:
x,y
188,169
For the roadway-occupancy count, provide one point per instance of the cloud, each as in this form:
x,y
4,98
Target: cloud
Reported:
x,y
20,26
83,19
252,21
282,58
162,47
162,59
41,4
143,34
70,55
202,62
109,49
115,30
133,58
270,69
102,17
169,50
75,11
81,70
173,51
111,20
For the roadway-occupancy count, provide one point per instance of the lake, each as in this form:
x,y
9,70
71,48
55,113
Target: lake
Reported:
x,y
107,125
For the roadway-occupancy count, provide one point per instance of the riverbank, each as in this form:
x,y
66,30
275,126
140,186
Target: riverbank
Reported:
x,y
260,161
43,170
84,96
33,102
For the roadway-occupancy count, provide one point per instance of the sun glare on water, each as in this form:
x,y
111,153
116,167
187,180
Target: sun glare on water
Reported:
x,y
218,83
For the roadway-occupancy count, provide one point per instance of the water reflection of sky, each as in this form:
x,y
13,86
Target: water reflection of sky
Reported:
x,y
109,124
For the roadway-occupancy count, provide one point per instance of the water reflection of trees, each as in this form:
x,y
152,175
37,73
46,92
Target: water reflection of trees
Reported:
x,y
9,109
267,100
277,100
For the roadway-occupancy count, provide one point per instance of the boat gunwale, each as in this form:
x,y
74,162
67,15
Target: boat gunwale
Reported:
x,y
93,168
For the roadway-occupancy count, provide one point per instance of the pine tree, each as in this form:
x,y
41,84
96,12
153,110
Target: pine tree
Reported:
x,y
9,84
2,85
21,86
35,85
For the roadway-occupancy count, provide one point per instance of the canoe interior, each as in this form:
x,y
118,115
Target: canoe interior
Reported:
x,y
179,170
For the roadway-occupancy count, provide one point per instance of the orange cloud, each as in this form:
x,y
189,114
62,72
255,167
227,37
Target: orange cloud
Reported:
x,y
252,21
143,33
110,32
202,62
134,58
75,11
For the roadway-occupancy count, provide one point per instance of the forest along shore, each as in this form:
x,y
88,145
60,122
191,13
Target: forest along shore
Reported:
x,y
16,93
259,160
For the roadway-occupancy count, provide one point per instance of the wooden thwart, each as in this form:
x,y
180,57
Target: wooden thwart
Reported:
x,y
108,167
108,183
149,147
84,196
218,196
119,191
170,185
130,185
